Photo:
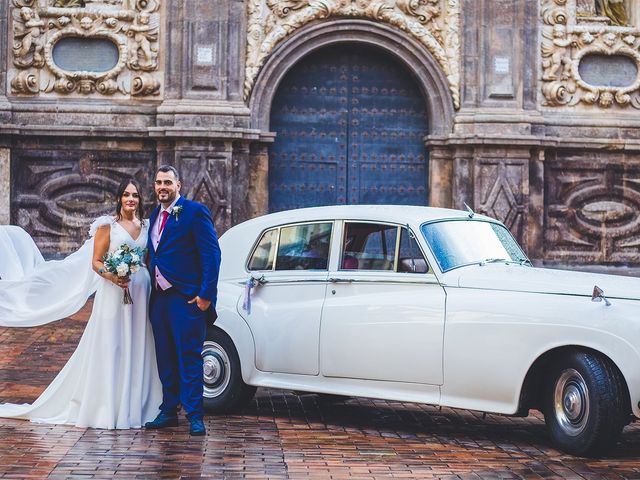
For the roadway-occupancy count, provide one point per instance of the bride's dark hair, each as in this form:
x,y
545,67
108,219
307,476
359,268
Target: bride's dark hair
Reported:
x,y
121,188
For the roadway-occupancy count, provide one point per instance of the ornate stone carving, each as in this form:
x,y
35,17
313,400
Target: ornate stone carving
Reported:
x,y
565,43
69,3
206,178
592,210
131,25
434,23
28,41
143,51
56,196
501,191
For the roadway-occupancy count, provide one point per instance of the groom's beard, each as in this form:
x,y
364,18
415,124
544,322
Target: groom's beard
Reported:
x,y
166,198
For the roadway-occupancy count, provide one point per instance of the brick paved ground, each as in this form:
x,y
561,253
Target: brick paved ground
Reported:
x,y
281,435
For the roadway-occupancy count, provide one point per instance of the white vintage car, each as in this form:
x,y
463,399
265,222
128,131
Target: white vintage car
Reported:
x,y
424,305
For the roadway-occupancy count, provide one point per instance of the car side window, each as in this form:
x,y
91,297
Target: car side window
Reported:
x,y
304,247
369,246
410,258
264,254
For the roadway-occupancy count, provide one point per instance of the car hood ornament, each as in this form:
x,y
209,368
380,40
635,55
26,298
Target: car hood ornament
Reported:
x,y
598,296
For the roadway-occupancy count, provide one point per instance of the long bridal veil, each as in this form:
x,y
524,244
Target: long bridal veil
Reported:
x,y
19,253
36,292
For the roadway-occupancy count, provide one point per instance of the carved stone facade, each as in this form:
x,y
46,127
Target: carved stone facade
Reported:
x,y
39,26
568,39
532,109
593,208
434,23
56,187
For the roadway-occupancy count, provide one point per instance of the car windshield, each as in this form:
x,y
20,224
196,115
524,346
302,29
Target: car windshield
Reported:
x,y
455,243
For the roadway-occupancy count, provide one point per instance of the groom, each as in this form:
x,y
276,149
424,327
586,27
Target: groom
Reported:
x,y
184,261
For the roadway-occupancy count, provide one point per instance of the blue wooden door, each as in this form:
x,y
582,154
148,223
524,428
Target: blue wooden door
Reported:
x,y
349,122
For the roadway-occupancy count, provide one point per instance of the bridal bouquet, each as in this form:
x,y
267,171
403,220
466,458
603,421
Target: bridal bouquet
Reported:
x,y
124,262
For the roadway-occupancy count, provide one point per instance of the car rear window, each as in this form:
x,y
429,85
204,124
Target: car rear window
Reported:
x,y
304,247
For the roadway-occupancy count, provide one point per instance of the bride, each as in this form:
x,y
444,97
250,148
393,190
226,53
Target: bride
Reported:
x,y
111,380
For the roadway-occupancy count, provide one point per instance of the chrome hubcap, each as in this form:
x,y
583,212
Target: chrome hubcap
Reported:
x,y
571,402
216,368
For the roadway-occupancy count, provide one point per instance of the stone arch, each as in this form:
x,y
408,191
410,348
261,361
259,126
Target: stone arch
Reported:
x,y
427,71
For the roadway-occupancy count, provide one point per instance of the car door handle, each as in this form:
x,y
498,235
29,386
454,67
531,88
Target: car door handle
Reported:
x,y
340,280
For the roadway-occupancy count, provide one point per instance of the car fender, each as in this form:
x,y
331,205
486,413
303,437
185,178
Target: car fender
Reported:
x,y
492,338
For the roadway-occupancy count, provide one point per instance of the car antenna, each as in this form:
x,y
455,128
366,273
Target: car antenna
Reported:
x,y
471,212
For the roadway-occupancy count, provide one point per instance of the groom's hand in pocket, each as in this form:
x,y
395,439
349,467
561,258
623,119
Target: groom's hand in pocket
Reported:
x,y
201,303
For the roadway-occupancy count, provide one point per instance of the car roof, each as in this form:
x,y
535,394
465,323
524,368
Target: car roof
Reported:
x,y
238,241
390,213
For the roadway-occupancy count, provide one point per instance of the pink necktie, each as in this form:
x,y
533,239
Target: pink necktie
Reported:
x,y
165,217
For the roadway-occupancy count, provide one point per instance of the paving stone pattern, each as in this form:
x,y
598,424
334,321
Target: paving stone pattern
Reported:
x,y
281,435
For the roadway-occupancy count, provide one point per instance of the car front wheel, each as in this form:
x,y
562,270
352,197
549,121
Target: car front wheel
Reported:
x,y
224,390
584,405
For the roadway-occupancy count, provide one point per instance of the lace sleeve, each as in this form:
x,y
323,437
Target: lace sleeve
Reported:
x,y
100,221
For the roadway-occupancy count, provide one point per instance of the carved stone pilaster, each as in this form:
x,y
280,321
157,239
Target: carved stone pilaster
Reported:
x,y
434,23
5,185
132,26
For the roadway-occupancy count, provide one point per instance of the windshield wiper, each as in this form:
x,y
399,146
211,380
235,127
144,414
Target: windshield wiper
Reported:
x,y
494,260
522,261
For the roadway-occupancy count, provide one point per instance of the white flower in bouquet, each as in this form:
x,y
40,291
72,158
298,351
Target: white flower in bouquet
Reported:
x,y
122,270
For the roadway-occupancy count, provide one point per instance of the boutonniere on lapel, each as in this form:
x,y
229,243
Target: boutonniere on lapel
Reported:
x,y
176,211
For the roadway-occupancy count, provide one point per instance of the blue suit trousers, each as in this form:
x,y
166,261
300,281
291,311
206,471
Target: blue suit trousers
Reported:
x,y
179,330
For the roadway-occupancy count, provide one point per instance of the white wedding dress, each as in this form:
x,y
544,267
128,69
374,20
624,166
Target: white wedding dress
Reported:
x,y
111,380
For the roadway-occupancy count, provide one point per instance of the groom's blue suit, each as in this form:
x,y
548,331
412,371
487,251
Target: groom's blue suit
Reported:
x,y
188,257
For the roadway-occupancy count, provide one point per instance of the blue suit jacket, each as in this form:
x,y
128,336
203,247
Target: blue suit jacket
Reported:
x,y
188,254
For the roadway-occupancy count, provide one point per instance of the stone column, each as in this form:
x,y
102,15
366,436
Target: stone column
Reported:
x,y
5,107
440,177
535,224
258,193
5,185
462,189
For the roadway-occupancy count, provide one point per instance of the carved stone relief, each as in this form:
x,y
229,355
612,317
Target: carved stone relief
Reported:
x,y
592,213
434,23
501,191
206,178
55,195
566,41
133,26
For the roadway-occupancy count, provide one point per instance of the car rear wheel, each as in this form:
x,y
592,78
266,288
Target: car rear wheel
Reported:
x,y
584,404
224,390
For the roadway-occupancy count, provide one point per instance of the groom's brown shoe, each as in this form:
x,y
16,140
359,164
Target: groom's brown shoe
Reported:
x,y
163,420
